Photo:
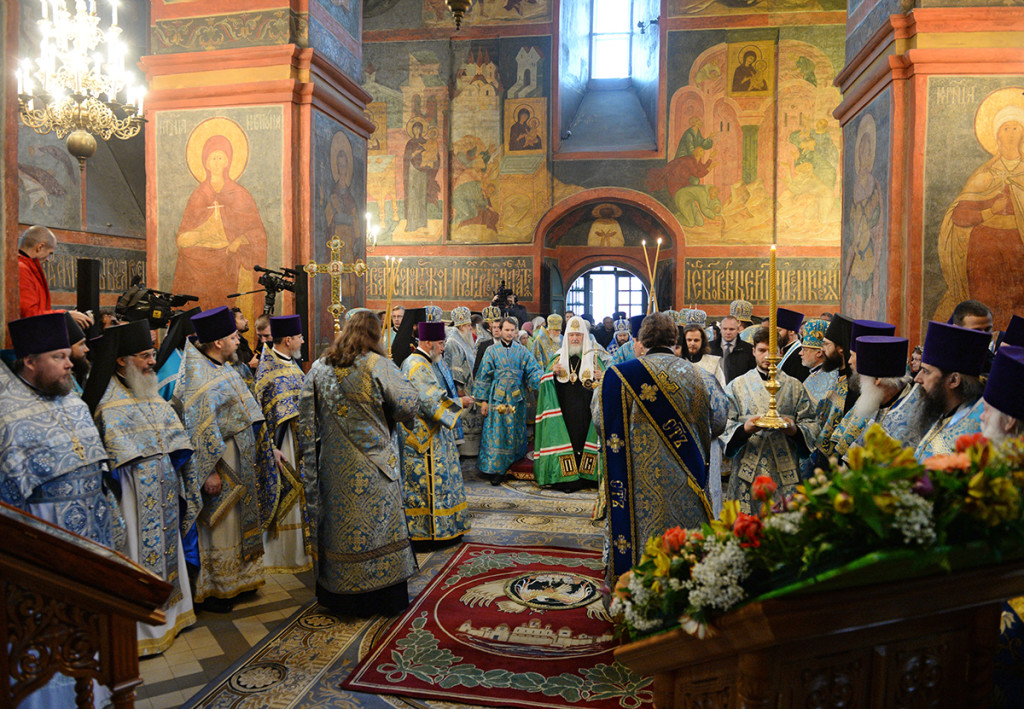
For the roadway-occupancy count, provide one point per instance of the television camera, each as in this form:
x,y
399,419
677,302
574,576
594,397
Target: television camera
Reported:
x,y
141,303
273,282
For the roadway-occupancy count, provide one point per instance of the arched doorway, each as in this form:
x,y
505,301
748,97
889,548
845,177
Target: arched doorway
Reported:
x,y
607,289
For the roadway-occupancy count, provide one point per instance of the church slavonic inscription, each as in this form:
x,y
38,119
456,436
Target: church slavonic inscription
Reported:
x,y
801,280
117,267
454,279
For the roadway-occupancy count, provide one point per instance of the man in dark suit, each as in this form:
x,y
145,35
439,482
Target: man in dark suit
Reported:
x,y
737,355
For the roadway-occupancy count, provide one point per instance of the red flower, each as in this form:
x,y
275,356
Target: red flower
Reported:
x,y
748,528
763,488
673,540
969,441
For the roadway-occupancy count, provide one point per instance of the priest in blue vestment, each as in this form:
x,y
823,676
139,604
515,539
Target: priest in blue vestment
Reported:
x,y
148,448
233,467
351,401
950,378
505,372
435,498
278,382
656,423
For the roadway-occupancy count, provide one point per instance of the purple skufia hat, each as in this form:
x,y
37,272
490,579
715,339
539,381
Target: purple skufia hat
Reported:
x,y
285,326
1014,332
788,319
882,356
952,348
634,325
214,324
1004,389
39,333
862,328
430,331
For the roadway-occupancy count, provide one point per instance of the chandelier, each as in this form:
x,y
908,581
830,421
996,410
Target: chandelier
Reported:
x,y
458,9
77,86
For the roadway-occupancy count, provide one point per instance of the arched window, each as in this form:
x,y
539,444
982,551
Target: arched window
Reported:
x,y
606,290
611,39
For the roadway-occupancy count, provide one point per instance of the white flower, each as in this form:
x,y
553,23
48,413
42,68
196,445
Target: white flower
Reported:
x,y
785,522
715,581
914,517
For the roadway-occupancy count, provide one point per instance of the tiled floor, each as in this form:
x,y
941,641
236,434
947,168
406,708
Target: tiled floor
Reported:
x,y
209,647
217,640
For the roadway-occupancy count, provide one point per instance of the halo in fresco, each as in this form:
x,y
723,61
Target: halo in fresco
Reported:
x,y
206,130
984,119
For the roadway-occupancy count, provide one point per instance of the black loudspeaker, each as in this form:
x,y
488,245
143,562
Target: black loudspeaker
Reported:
x,y
302,307
88,284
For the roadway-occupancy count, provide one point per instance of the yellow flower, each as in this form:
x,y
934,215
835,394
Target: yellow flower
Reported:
x,y
843,503
886,503
856,457
662,564
653,547
978,485
656,586
730,511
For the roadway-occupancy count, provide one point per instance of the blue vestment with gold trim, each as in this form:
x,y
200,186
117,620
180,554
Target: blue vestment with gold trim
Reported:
x,y
504,374
435,498
656,422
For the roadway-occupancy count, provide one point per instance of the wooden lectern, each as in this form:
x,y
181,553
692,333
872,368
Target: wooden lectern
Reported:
x,y
925,642
70,605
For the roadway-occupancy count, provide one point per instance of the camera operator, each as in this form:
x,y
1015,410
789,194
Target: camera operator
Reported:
x,y
515,310
245,353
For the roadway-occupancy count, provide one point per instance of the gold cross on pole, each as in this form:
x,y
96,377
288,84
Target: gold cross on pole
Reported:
x,y
335,269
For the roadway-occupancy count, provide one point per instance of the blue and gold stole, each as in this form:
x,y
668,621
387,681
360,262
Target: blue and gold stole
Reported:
x,y
634,381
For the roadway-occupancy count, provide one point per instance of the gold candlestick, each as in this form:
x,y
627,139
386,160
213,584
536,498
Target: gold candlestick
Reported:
x,y
391,266
654,273
771,419
647,261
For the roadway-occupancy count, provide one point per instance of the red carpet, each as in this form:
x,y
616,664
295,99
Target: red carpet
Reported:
x,y
522,469
509,627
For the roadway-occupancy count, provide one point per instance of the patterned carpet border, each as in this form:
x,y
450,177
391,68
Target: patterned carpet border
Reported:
x,y
507,626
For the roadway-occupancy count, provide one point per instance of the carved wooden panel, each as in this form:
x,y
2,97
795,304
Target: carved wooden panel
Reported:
x,y
834,681
48,635
929,671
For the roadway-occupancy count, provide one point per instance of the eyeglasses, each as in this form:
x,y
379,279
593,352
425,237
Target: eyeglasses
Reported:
x,y
150,355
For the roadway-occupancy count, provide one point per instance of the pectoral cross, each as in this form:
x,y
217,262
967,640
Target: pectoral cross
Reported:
x,y
335,269
216,207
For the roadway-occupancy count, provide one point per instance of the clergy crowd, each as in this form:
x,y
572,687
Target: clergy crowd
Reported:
x,y
211,463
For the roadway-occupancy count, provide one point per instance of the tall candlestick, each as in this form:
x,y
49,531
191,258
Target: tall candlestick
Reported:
x,y
771,419
773,345
654,273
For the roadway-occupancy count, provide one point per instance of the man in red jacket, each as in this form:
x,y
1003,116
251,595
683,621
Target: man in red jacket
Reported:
x,y
36,247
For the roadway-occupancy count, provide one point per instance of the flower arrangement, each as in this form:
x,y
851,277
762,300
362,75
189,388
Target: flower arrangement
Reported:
x,y
881,500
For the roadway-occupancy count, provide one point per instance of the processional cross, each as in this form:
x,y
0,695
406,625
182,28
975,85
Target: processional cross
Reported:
x,y
335,269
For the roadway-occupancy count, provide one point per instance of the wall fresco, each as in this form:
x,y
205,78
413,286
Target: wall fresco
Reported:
x,y
866,209
453,278
406,162
696,8
219,181
488,12
974,195
49,182
339,179
801,281
608,224
118,267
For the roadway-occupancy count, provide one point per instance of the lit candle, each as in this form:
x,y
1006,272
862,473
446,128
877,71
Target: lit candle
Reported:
x,y
113,12
44,9
21,82
773,334
142,96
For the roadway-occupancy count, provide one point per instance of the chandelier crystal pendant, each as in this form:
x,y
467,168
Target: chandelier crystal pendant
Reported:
x,y
77,86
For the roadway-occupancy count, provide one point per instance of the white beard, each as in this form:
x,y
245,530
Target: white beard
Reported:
x,y
144,386
575,350
466,335
870,398
992,428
